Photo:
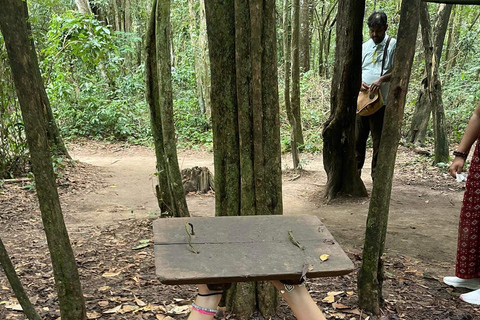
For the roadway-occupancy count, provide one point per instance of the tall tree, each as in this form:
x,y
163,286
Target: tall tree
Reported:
x,y
287,42
158,77
245,122
371,275
295,96
305,35
199,55
430,94
33,100
339,129
323,20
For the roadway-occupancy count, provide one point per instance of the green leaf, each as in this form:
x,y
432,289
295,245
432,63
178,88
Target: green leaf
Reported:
x,y
141,246
145,240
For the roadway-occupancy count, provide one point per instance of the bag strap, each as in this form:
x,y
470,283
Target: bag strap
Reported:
x,y
385,55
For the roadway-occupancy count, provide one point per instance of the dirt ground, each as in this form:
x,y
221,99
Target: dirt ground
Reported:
x,y
108,202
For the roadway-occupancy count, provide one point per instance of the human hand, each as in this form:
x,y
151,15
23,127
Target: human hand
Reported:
x,y
364,87
376,85
457,166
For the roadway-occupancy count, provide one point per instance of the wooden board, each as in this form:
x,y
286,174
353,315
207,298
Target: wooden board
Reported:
x,y
245,248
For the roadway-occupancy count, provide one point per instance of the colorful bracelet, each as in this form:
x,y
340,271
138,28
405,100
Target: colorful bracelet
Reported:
x,y
460,154
202,310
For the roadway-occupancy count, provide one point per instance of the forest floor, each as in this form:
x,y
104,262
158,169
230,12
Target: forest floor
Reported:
x,y
109,204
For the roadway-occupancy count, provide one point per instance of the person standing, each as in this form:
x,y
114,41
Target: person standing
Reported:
x,y
467,269
373,80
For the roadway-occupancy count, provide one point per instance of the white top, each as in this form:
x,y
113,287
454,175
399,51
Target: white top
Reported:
x,y
372,56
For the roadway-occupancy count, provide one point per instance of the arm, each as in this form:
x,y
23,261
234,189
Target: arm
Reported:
x,y
469,137
376,84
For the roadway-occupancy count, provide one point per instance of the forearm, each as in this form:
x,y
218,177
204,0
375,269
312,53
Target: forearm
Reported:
x,y
386,77
471,132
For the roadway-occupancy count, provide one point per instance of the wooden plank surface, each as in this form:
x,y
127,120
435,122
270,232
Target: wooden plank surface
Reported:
x,y
245,248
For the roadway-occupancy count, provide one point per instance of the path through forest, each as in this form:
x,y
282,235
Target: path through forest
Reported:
x,y
423,216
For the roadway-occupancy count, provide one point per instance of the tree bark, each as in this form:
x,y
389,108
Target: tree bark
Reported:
x,y
339,129
440,130
450,41
33,101
287,41
323,38
295,97
204,60
371,275
197,58
17,287
305,38
170,193
83,6
419,125
245,121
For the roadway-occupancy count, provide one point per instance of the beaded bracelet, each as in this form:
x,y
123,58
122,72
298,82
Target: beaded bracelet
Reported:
x,y
460,154
203,310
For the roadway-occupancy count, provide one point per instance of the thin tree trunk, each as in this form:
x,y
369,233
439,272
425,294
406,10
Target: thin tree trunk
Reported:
x,y
165,98
287,27
196,53
17,287
203,46
339,129
295,97
441,141
163,191
33,100
305,38
450,41
128,15
371,275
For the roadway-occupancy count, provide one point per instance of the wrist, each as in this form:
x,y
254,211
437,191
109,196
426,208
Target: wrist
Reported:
x,y
460,154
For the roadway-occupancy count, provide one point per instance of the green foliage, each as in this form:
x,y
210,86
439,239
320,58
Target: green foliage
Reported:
x,y
93,91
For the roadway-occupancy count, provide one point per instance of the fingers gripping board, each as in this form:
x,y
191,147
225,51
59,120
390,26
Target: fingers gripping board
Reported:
x,y
245,248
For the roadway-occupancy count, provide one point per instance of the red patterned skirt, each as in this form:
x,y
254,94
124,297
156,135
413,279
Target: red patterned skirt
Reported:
x,y
468,250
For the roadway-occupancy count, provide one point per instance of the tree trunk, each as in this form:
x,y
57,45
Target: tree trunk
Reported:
x,y
287,31
450,41
441,141
127,16
245,120
419,125
33,101
371,275
16,285
170,193
305,38
295,97
203,46
339,129
197,58
83,6
322,55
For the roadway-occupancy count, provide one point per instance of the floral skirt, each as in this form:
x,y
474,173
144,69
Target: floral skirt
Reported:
x,y
468,250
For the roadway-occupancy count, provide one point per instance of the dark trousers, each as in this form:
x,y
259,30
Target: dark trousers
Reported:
x,y
365,125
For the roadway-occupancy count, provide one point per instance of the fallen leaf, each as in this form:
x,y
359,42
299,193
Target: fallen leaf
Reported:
x,y
113,310
111,274
329,299
103,303
4,288
129,308
310,268
140,246
338,315
324,257
350,293
139,302
145,240
334,293
93,315
179,310
340,306
104,288
160,317
13,306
